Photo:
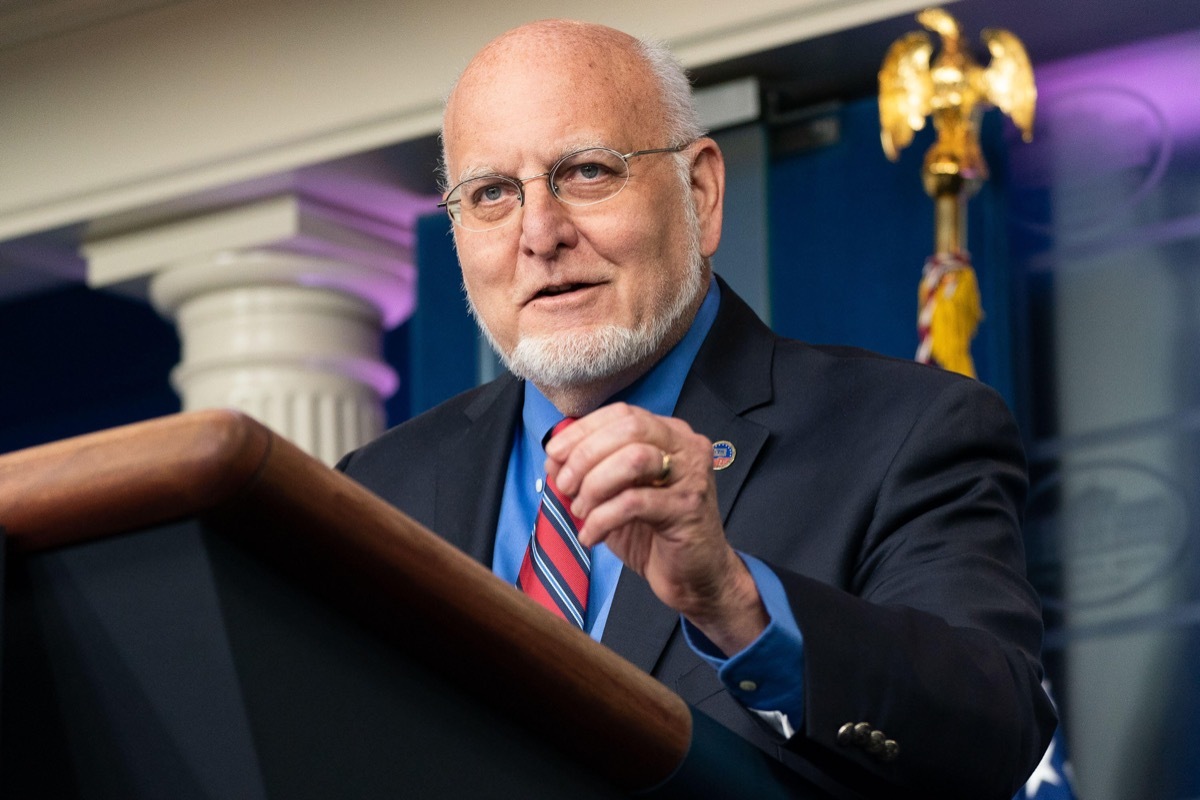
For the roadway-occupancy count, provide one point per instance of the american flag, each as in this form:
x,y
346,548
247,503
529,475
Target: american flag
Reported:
x,y
1052,778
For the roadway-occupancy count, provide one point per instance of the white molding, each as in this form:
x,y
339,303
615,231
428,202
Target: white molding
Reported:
x,y
762,29
188,97
285,220
283,239
22,22
728,104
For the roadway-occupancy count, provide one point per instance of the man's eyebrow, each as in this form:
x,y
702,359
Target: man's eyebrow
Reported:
x,y
478,172
586,144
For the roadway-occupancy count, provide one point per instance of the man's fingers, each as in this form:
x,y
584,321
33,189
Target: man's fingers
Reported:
x,y
583,446
641,505
599,420
632,466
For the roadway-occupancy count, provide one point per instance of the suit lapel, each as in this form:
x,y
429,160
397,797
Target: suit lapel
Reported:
x,y
471,468
707,415
731,375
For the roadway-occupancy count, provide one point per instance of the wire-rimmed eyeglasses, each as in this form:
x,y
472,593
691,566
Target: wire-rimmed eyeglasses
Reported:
x,y
582,178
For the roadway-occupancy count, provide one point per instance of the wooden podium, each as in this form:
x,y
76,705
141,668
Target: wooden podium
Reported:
x,y
195,608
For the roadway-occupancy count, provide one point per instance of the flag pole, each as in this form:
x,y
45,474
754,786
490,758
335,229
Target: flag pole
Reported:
x,y
954,90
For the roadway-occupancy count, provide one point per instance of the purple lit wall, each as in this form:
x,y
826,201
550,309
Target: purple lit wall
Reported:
x,y
1109,127
1105,230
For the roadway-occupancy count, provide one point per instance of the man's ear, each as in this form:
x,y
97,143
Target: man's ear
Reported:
x,y
708,190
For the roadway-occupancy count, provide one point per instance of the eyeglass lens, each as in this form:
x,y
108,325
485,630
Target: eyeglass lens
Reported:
x,y
580,179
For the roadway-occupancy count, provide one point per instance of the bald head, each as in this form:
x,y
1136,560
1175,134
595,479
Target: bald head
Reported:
x,y
554,41
580,58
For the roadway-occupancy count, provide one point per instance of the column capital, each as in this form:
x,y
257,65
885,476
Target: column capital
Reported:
x,y
280,305
283,239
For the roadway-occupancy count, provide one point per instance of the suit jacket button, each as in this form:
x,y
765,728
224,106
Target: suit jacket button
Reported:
x,y
875,743
862,733
845,734
890,750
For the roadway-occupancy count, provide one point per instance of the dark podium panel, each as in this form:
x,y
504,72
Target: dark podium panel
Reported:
x,y
195,608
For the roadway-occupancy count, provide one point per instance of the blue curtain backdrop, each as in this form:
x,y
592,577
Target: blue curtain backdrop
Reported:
x,y
76,360
443,343
850,232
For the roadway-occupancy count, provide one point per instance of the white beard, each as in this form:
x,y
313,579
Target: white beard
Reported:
x,y
575,359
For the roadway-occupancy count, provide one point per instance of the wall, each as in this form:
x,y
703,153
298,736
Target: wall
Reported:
x,y
1105,207
74,361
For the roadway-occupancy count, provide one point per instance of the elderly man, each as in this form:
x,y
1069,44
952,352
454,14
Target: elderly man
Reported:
x,y
816,546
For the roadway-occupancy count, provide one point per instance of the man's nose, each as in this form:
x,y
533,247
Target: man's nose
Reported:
x,y
545,221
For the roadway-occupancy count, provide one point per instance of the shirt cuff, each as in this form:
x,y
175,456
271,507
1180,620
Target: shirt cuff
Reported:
x,y
766,677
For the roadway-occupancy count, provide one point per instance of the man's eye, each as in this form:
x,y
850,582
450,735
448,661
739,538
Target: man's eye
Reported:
x,y
493,192
588,172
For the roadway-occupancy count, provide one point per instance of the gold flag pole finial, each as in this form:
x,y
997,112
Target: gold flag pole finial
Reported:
x,y
954,90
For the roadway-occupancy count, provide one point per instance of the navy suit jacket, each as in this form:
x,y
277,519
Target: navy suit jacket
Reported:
x,y
885,494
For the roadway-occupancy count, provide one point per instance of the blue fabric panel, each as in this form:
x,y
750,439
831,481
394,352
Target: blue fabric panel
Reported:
x,y
850,232
76,360
442,338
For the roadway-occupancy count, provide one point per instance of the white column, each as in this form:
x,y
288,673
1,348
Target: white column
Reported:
x,y
305,360
280,307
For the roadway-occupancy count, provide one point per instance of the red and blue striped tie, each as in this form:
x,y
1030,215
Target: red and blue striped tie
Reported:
x,y
556,569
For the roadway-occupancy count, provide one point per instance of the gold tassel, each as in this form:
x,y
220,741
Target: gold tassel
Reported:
x,y
957,312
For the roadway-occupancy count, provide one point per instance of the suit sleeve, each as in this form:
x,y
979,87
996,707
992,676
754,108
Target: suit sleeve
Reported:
x,y
935,646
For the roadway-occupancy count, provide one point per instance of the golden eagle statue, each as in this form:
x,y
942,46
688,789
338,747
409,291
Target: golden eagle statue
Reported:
x,y
954,90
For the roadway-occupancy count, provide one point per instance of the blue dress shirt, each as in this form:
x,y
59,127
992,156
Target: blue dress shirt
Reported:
x,y
768,674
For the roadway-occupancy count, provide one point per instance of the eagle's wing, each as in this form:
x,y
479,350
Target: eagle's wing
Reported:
x,y
1008,80
905,89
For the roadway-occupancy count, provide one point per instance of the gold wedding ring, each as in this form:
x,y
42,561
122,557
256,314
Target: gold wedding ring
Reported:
x,y
664,472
